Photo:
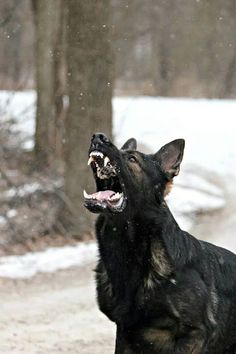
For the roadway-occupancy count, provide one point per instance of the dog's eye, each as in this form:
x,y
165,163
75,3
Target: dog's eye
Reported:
x,y
132,158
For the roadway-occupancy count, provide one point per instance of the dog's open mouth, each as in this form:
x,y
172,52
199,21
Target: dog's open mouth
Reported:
x,y
110,194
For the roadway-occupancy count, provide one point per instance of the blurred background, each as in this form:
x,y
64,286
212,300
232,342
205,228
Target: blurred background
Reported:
x,y
156,70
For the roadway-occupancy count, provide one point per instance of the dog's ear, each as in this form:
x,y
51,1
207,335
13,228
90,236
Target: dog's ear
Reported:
x,y
170,156
130,144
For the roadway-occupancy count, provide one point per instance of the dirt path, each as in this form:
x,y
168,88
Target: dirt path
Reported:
x,y
53,313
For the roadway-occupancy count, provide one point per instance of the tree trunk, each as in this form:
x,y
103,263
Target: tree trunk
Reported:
x,y
47,14
60,80
89,61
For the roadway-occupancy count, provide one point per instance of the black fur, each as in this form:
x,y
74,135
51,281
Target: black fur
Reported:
x,y
166,291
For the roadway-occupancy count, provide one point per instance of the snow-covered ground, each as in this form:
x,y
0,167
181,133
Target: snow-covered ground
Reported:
x,y
209,128
20,107
47,261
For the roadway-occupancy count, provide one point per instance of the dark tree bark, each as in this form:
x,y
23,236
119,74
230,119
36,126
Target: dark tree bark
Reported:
x,y
89,61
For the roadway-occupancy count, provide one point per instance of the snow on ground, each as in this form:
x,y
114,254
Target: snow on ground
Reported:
x,y
189,201
52,259
209,128
192,195
20,107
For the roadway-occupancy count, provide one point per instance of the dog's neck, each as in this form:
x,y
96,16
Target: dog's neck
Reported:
x,y
166,245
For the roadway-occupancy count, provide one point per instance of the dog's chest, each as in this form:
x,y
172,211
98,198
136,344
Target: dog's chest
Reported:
x,y
129,267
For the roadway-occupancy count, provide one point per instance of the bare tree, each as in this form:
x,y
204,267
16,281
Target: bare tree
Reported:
x,y
89,61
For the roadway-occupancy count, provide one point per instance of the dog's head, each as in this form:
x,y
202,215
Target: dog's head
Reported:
x,y
127,179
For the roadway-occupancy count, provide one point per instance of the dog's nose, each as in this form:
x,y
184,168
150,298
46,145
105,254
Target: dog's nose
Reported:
x,y
100,138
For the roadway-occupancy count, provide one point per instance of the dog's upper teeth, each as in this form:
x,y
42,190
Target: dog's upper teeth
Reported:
x,y
106,161
97,153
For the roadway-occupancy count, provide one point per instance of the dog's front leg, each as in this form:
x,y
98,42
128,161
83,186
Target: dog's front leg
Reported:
x,y
122,346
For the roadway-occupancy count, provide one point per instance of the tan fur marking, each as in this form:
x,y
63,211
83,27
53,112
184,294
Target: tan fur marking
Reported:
x,y
196,348
159,260
136,168
149,282
153,334
168,188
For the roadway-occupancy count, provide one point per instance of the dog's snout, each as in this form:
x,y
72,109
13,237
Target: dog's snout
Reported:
x,y
100,138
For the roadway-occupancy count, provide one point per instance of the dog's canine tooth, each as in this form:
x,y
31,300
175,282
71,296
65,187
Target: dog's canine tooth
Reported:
x,y
106,160
90,160
86,195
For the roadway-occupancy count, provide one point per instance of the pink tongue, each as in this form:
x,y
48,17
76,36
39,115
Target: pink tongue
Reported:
x,y
105,195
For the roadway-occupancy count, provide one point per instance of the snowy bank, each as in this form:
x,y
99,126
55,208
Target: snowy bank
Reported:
x,y
48,261
208,126
185,203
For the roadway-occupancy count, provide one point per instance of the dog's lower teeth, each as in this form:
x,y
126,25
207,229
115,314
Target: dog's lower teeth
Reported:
x,y
116,200
116,197
119,201
106,161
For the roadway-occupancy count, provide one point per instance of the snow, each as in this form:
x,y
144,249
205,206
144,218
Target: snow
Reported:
x,y
208,126
11,213
28,189
23,190
192,195
49,261
20,107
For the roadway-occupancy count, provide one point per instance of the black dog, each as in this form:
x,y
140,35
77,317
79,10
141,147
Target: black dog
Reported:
x,y
166,291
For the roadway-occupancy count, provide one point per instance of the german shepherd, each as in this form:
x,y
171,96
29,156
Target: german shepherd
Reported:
x,y
166,291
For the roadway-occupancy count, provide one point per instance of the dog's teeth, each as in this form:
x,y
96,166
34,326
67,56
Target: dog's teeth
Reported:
x,y
91,159
119,203
86,195
97,153
106,160
116,196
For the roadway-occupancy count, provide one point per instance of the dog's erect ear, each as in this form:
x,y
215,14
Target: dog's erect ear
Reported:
x,y
130,144
170,156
